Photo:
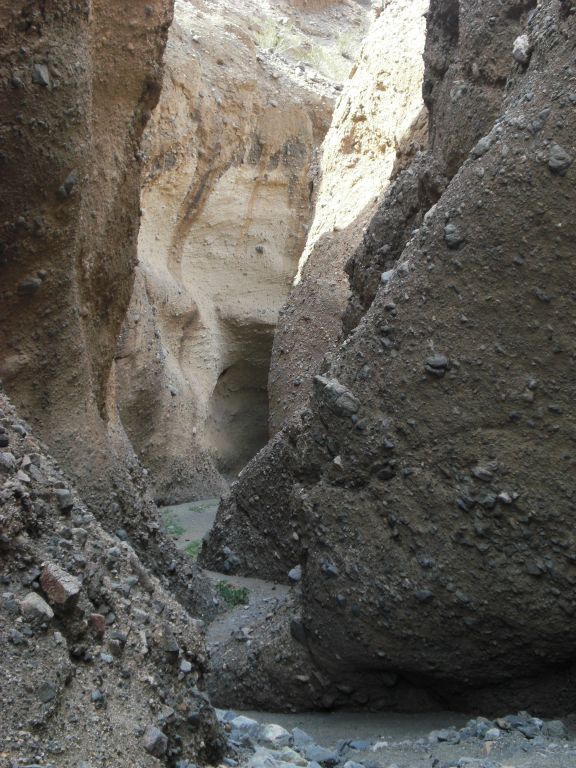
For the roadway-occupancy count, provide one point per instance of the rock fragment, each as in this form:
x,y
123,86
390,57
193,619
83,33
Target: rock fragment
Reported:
x,y
559,160
437,365
453,236
155,741
522,49
481,147
41,75
64,499
338,398
295,574
29,286
66,189
7,462
321,755
35,608
47,692
274,736
61,588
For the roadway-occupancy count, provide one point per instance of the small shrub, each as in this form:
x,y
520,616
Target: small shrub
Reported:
x,y
193,549
347,45
232,595
173,527
268,36
286,40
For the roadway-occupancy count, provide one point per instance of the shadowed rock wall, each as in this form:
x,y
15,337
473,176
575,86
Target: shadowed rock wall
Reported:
x,y
89,636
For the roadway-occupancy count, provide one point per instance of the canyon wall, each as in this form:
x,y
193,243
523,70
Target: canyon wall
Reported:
x,y
378,123
89,634
429,485
227,200
77,87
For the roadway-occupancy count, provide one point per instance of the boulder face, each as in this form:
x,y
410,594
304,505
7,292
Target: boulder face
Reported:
x,y
226,202
432,473
378,123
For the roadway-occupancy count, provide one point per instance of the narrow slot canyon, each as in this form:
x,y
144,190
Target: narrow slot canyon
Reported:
x,y
286,384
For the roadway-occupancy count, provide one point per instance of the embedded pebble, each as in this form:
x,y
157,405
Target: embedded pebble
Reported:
x,y
559,160
34,608
155,741
453,236
522,49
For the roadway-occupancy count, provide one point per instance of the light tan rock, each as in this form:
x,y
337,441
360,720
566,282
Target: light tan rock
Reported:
x,y
226,205
377,125
34,608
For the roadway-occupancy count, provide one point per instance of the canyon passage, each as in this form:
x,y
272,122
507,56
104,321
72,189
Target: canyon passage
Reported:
x,y
287,383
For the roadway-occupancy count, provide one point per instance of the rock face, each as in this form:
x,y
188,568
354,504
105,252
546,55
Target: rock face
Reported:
x,y
226,203
433,496
89,638
78,85
378,123
378,115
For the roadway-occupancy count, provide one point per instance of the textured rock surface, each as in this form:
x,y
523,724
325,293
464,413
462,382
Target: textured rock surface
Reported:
x,y
355,740
77,87
435,515
254,521
380,105
377,125
467,66
85,680
227,201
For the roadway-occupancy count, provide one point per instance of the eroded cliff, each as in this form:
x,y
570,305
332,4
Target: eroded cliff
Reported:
x,y
227,201
378,124
429,485
77,88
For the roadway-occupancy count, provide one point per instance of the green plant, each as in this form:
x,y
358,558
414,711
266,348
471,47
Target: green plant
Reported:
x,y
347,44
173,527
288,41
232,595
193,549
268,35
204,506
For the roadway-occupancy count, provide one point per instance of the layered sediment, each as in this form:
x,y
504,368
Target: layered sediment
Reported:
x,y
227,200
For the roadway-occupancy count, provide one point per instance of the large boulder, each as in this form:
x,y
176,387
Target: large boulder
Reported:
x,y
441,536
